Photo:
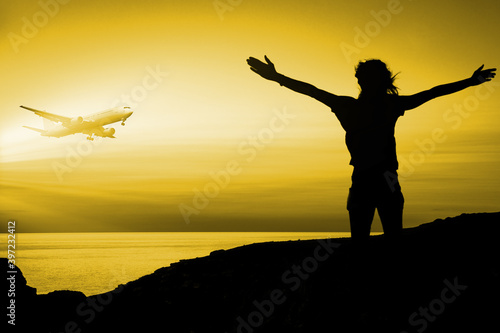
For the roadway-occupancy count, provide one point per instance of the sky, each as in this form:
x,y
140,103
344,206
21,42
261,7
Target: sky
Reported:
x,y
213,147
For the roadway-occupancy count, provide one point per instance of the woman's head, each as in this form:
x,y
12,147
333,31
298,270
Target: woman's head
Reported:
x,y
375,78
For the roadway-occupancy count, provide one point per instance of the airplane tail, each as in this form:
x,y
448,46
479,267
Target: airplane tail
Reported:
x,y
35,129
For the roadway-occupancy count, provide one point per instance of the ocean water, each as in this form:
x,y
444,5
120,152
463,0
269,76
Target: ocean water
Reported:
x,y
94,263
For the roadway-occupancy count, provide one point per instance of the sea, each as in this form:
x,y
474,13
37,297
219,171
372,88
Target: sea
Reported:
x,y
95,263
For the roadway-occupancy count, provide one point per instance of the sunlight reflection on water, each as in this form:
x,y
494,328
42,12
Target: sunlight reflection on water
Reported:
x,y
98,262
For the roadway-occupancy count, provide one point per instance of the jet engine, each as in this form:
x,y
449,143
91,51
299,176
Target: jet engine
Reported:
x,y
108,132
77,121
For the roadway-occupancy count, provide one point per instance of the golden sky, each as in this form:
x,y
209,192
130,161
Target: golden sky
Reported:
x,y
209,138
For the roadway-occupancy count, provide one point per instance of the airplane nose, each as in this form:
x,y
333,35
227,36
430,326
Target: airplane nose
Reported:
x,y
129,114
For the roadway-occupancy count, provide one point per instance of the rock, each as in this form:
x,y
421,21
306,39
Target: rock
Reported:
x,y
440,277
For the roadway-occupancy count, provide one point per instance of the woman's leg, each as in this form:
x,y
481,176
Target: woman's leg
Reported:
x,y
361,222
390,210
361,212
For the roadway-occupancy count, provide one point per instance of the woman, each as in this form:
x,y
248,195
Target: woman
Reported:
x,y
369,123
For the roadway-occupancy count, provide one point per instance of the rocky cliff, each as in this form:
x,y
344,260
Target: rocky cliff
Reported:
x,y
442,276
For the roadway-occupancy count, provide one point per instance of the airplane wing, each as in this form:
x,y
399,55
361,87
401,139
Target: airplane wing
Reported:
x,y
35,129
50,116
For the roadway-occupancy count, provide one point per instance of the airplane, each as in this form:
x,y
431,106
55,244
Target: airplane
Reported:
x,y
90,125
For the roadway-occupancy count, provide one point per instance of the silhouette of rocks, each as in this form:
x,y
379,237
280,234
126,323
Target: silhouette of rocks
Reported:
x,y
442,276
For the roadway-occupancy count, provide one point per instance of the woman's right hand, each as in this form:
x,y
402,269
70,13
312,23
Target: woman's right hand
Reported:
x,y
267,71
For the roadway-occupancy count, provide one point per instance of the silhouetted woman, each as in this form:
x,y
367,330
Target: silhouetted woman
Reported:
x,y
369,123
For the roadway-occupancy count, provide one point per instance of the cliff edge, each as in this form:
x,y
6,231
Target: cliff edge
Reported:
x,y
441,276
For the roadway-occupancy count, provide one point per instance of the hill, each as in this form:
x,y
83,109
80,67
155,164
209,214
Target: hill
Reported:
x,y
441,276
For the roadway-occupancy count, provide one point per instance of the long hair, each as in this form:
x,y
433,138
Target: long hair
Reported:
x,y
375,69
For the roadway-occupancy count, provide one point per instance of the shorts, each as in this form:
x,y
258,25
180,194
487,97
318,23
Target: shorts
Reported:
x,y
375,190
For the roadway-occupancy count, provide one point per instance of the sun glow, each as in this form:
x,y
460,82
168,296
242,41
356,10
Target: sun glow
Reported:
x,y
197,106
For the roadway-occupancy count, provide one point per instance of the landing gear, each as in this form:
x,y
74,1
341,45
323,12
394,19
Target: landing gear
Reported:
x,y
90,138
123,121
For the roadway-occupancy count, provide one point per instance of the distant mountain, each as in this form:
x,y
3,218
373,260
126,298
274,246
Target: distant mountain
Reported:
x,y
442,276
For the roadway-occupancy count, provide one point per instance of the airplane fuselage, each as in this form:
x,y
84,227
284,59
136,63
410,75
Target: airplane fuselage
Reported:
x,y
90,123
